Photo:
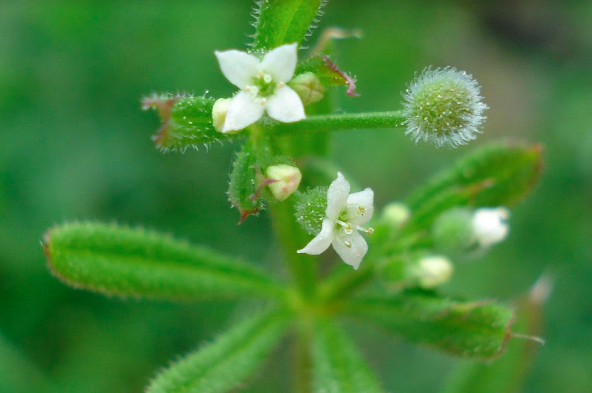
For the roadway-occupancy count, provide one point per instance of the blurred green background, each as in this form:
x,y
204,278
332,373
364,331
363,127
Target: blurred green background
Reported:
x,y
75,145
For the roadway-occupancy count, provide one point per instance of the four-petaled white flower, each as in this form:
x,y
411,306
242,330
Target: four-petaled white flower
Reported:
x,y
263,86
345,214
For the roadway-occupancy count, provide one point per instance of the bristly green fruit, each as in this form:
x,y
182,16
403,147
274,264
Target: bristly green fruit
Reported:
x,y
444,107
310,209
186,121
453,231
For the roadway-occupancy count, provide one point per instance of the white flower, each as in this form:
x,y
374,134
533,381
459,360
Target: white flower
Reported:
x,y
490,225
263,86
345,214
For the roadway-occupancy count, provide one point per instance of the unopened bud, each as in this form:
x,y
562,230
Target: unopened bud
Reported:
x,y
219,113
433,271
287,179
396,214
490,225
453,231
309,87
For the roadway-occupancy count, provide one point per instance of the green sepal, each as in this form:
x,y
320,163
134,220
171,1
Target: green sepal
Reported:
x,y
496,175
470,329
338,366
186,121
247,187
279,22
223,365
328,72
126,262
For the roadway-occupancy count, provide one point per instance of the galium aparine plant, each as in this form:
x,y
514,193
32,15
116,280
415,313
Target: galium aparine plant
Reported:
x,y
398,261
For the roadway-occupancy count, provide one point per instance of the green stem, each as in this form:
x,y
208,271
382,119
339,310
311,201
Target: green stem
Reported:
x,y
344,121
303,357
303,267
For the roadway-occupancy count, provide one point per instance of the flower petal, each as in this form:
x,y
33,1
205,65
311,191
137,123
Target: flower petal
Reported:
x,y
353,251
280,62
337,197
244,110
360,207
238,67
285,105
322,241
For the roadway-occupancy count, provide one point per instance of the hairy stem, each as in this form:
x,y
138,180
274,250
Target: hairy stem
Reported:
x,y
344,121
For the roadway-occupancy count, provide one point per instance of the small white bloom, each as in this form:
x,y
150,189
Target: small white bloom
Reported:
x,y
345,214
263,86
490,225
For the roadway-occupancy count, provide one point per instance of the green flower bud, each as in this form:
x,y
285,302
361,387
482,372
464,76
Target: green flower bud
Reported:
x,y
418,270
395,214
443,106
286,179
309,87
310,209
453,231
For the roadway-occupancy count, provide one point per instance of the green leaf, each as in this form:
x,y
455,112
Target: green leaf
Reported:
x,y
279,22
506,374
327,72
186,121
470,329
129,262
496,175
225,363
338,365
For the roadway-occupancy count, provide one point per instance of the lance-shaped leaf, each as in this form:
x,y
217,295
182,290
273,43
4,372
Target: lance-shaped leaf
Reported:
x,y
226,362
328,73
470,329
137,263
338,366
247,184
496,175
186,121
279,22
508,373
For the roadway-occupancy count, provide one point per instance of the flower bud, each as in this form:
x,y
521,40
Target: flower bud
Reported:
x,y
219,113
309,87
490,225
453,231
432,271
395,214
443,106
286,180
